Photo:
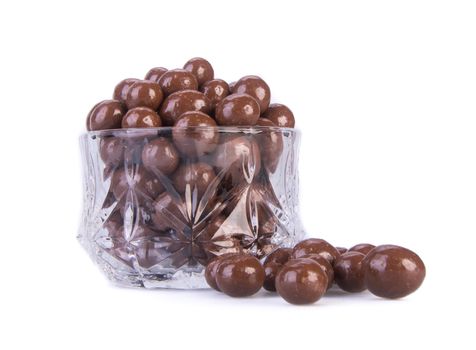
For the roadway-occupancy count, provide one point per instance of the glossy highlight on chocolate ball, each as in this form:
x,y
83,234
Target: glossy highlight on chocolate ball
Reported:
x,y
240,275
177,80
144,93
316,246
237,110
106,115
201,68
280,115
121,89
325,266
155,73
255,87
363,248
216,90
181,102
141,117
393,272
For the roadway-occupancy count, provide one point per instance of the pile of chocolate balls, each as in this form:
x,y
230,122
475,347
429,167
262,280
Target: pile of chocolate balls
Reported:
x,y
303,274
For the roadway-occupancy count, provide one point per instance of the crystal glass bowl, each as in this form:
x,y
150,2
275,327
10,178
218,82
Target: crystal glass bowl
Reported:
x,y
160,203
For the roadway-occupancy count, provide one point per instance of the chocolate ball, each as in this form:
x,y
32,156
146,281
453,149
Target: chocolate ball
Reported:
x,y
169,213
271,144
141,117
256,88
363,248
316,246
239,158
211,270
160,156
280,115
180,102
301,281
341,250
120,91
216,90
111,151
280,256
271,270
194,177
144,93
105,115
349,273
195,142
240,275
393,272
201,68
136,179
155,73
237,110
177,80
324,264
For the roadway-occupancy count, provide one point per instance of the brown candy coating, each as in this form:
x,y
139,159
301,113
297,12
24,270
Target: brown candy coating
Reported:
x,y
316,246
195,143
155,73
301,281
120,91
280,256
341,250
324,264
194,176
141,117
239,157
271,145
135,178
237,110
271,270
280,115
393,272
240,275
105,115
160,155
144,93
255,87
201,68
211,270
216,90
363,248
111,151
177,80
349,273
168,213
180,102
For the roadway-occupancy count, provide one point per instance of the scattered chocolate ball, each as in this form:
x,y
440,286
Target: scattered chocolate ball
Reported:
x,y
280,256
193,142
393,272
120,91
141,117
194,177
363,248
325,266
280,115
106,115
349,273
201,68
240,275
211,270
316,246
181,102
255,87
271,270
160,155
155,73
215,90
177,80
237,110
144,93
301,281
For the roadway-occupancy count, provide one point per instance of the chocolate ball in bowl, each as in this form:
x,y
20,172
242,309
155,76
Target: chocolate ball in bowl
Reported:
x,y
141,117
280,115
144,93
194,177
154,74
255,87
195,134
237,110
271,144
105,115
201,69
177,80
178,103
121,89
160,156
216,90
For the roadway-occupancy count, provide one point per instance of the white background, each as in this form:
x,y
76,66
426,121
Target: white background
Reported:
x,y
385,95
